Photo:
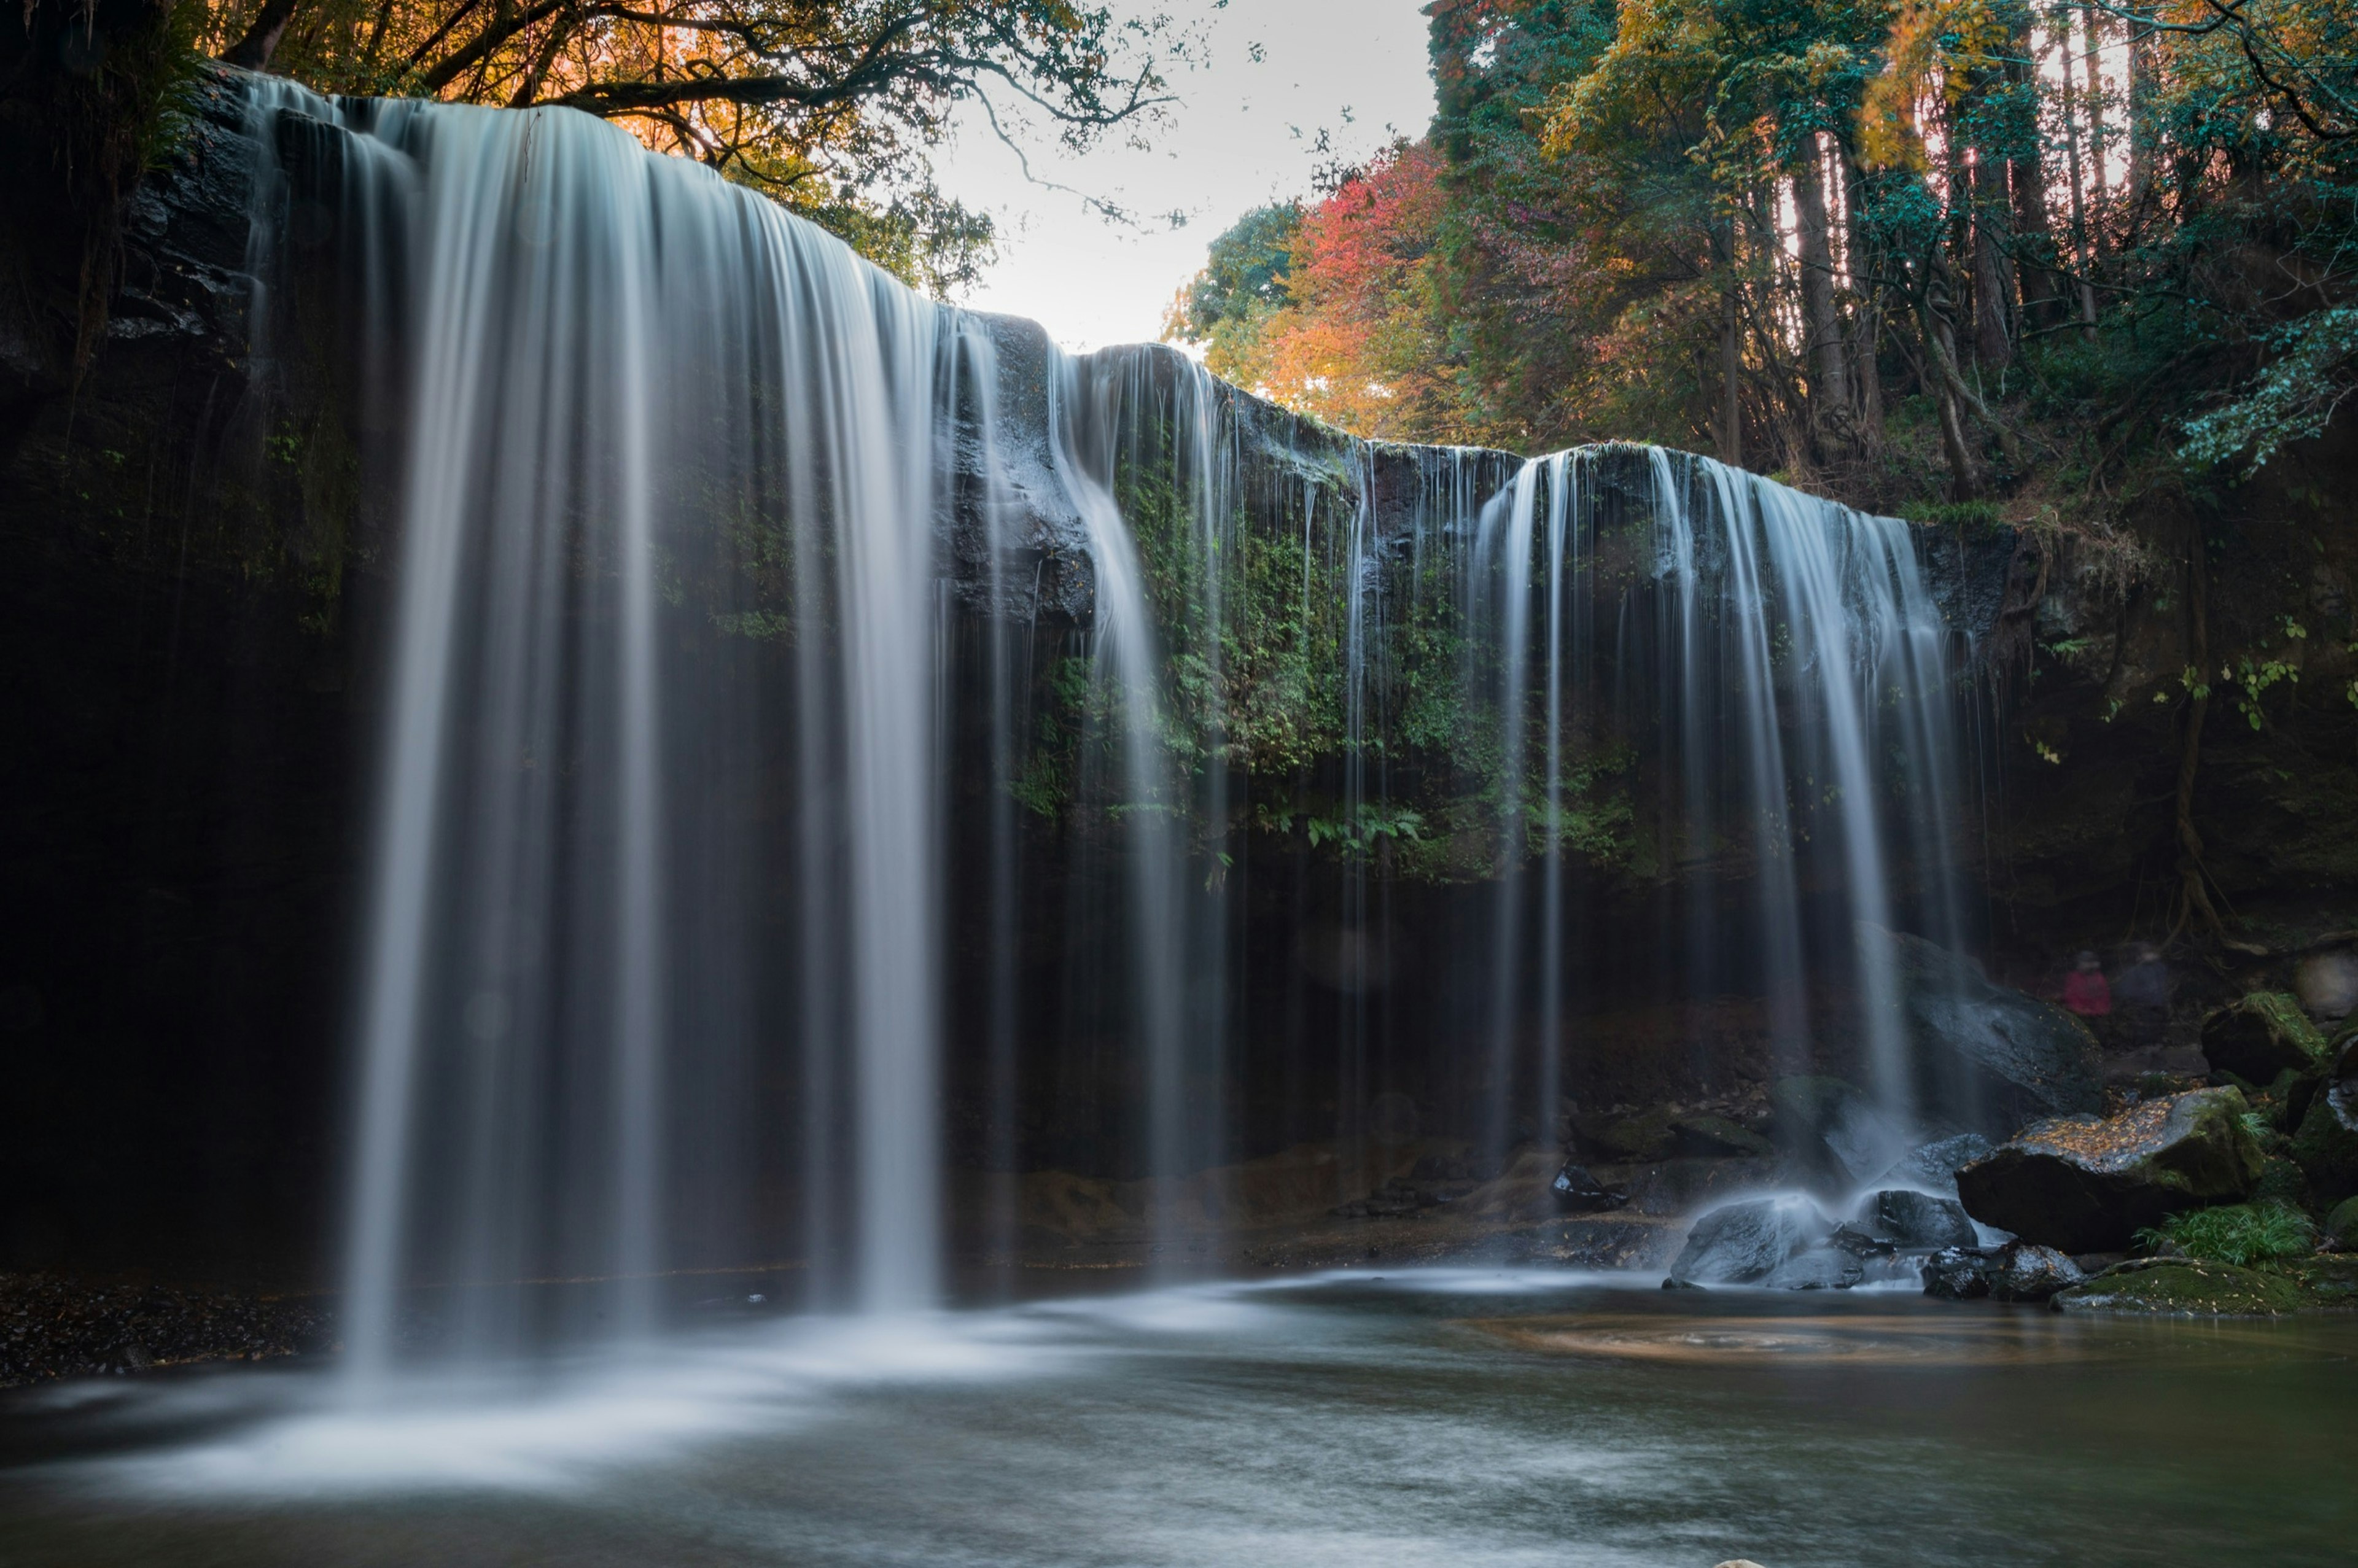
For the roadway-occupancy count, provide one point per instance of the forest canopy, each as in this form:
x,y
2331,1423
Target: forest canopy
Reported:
x,y
1894,249
833,106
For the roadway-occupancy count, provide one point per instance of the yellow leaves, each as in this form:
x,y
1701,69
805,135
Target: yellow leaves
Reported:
x,y
1934,45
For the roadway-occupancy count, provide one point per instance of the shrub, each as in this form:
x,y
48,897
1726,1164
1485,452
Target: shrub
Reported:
x,y
2240,1234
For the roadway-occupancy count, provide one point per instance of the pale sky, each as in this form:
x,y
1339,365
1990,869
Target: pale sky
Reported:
x,y
1243,135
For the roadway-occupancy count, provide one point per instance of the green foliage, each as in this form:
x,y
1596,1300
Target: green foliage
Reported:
x,y
1245,277
2236,1234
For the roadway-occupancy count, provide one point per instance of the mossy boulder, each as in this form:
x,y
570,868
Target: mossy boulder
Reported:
x,y
2091,1184
2340,1227
2262,1037
2329,1279
2181,1287
2326,1147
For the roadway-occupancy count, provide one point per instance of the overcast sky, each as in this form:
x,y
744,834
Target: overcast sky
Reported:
x,y
1243,135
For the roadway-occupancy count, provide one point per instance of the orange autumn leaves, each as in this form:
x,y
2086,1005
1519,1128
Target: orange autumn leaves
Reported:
x,y
1347,337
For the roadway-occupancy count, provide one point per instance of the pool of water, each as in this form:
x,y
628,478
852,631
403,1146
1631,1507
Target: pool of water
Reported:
x,y
1458,1418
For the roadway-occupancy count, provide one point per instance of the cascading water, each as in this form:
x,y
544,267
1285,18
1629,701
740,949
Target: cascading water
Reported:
x,y
720,569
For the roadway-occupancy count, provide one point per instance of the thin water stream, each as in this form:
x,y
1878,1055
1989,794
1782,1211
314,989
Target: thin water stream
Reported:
x,y
1475,1418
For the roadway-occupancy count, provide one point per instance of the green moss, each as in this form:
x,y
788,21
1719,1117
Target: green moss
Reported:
x,y
2185,1289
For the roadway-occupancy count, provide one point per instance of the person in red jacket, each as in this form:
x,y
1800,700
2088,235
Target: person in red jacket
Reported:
x,y
2084,991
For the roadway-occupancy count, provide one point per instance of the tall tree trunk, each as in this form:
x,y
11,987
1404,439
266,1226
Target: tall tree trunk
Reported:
x,y
2084,260
1866,321
1992,293
2141,86
2099,133
1821,320
2034,234
1731,345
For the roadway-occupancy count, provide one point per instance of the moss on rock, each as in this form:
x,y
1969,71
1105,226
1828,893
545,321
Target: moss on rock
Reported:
x,y
2184,1287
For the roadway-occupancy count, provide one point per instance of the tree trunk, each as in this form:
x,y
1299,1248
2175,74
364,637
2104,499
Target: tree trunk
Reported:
x,y
2141,84
2099,133
261,42
1867,329
1731,346
1821,320
2084,260
2034,234
1992,293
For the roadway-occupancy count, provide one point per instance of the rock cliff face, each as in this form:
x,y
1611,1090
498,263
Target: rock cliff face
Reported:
x,y
193,549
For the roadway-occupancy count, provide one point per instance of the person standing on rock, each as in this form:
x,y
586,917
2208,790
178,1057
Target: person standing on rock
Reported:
x,y
2143,994
2084,991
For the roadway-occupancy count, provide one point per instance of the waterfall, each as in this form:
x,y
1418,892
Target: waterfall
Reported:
x,y
769,654
1801,689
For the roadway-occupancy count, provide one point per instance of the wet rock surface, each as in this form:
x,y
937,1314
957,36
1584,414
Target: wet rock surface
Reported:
x,y
1933,1167
1834,1131
1784,1242
2089,1183
1916,1221
2023,1271
1580,1193
1985,1053
53,1327
2326,1146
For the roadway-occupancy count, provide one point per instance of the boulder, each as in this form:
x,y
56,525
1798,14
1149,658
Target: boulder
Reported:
x,y
1933,1167
2326,1147
1745,1243
1579,1193
2089,1183
2262,1037
2024,1272
2340,1227
2327,983
1818,1268
1915,1221
1958,1273
2183,1287
1987,1055
1834,1129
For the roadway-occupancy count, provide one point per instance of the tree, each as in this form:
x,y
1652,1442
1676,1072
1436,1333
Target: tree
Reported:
x,y
831,105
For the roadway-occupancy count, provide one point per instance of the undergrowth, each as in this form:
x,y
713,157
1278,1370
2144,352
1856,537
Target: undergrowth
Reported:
x,y
2240,1234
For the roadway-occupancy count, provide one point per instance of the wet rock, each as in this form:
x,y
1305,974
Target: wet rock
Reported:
x,y
2329,1279
1818,1268
2327,983
1783,1243
2340,1228
1985,1053
1580,1193
2183,1287
1745,1243
1933,1167
52,1326
2326,1147
1668,1133
1958,1273
1636,1140
1916,1221
1834,1129
2089,1184
2262,1036
2024,1272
